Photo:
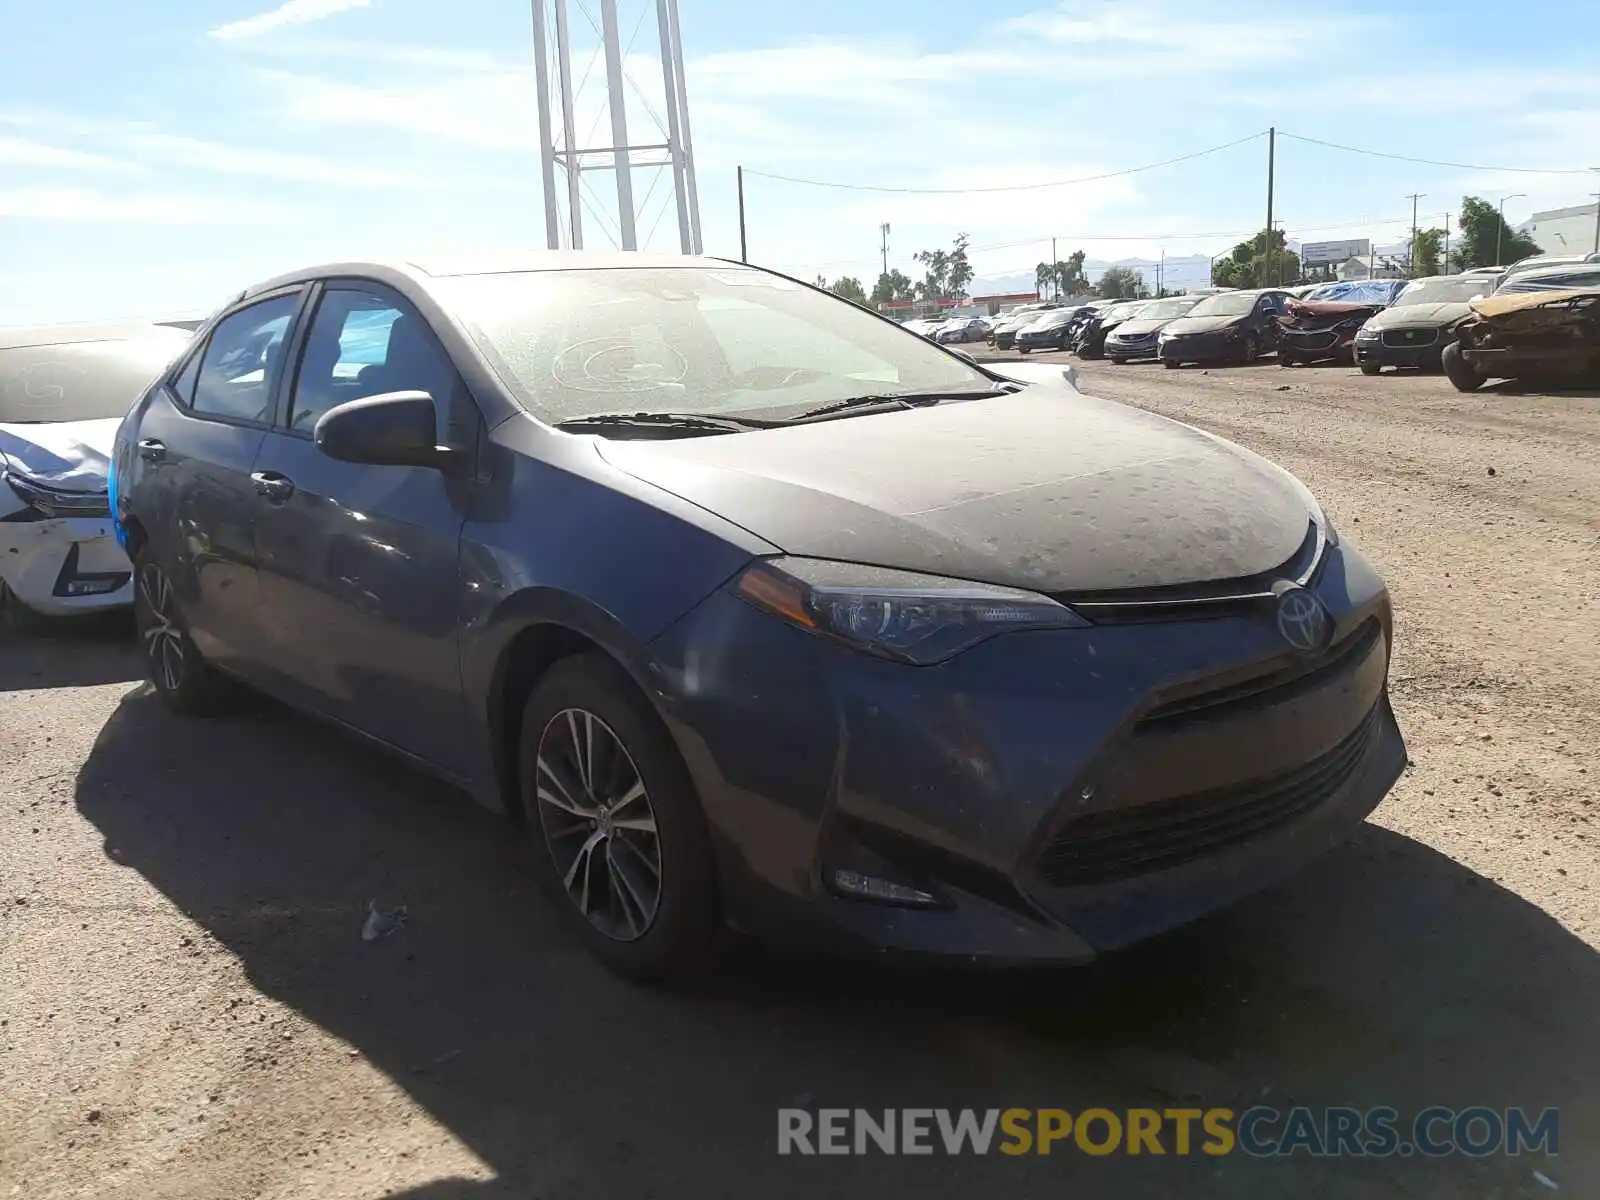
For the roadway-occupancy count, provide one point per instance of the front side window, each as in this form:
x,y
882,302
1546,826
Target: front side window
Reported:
x,y
244,360
691,340
364,342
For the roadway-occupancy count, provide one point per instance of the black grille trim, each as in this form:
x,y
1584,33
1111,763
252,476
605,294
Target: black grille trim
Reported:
x,y
1274,687
1118,844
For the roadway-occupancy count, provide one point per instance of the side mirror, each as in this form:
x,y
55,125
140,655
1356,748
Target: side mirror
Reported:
x,y
395,429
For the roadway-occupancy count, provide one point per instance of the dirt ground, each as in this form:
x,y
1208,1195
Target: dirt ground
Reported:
x,y
187,1008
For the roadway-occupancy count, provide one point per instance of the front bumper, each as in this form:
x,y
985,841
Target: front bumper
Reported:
x,y
1402,348
64,565
1203,348
1143,348
1062,793
1314,345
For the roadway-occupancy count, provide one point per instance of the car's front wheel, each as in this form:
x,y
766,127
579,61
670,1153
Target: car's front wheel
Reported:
x,y
624,849
1370,368
184,681
1458,370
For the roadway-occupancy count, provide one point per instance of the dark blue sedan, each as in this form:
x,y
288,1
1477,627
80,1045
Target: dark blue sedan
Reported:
x,y
759,611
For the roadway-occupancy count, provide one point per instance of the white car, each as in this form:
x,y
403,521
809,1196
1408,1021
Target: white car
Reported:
x,y
63,392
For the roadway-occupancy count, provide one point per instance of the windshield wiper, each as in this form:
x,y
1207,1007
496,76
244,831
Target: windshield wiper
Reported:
x,y
695,422
885,400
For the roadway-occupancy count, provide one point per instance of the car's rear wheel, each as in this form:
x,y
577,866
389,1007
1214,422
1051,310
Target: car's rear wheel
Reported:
x,y
1462,375
185,682
623,844
1170,364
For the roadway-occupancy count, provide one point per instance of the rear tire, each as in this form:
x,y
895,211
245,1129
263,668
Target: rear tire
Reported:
x,y
591,743
1170,364
186,683
1458,370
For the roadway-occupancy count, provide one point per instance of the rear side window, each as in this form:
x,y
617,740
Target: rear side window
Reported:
x,y
244,360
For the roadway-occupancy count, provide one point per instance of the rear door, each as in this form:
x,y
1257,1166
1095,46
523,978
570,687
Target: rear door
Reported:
x,y
359,574
196,445
1265,318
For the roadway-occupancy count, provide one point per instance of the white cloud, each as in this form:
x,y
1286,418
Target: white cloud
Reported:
x,y
23,153
66,204
290,13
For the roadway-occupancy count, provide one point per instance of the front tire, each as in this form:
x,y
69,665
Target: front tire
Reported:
x,y
623,848
1249,350
186,683
1118,361
1170,364
1458,370
1370,368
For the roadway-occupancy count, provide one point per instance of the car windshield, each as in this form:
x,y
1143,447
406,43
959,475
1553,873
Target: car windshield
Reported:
x,y
1161,310
1554,281
82,381
1124,312
697,340
1450,289
1229,304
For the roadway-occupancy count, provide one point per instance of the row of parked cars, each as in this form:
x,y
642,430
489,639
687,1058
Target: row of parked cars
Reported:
x,y
1459,323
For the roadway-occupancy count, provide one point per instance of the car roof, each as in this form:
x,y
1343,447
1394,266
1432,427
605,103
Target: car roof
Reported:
x,y
502,263
21,336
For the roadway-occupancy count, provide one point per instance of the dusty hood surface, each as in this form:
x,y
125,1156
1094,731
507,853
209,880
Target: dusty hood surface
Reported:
x,y
1140,326
72,455
1499,306
1189,325
1413,315
1045,489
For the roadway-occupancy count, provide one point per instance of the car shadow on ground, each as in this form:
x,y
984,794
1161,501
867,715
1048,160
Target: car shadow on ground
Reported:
x,y
80,652
1386,975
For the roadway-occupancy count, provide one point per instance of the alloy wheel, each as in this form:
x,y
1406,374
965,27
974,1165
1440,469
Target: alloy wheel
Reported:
x,y
598,823
162,636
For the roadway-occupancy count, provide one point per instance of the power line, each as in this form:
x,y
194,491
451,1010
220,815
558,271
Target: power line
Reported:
x,y
1012,187
1430,162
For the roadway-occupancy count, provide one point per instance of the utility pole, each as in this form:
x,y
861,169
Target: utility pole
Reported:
x,y
1411,254
1161,276
1053,273
1272,152
1500,225
1596,196
1447,243
744,255
883,234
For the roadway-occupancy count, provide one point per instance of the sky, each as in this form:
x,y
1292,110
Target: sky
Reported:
x,y
155,158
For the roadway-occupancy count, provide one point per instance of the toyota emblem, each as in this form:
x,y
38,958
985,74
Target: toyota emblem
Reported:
x,y
1302,620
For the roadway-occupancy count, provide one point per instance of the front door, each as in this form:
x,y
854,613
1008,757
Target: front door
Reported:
x,y
359,572
197,445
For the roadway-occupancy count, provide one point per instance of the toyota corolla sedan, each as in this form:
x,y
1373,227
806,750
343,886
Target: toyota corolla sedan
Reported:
x,y
63,391
759,611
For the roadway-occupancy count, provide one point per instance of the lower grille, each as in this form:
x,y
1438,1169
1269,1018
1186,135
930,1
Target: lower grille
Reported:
x,y
1312,341
1119,844
1409,337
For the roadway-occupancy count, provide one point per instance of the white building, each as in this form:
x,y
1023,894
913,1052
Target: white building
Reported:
x,y
1563,230
1359,266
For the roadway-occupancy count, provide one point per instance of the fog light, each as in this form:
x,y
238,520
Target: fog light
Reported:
x,y
870,887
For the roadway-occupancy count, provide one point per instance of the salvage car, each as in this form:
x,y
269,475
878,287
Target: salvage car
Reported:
x,y
1415,329
1136,337
1550,279
758,611
63,390
1007,325
1049,330
1233,327
1323,326
962,329
1091,341
1544,338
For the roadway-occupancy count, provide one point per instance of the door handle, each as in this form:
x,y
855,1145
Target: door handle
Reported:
x,y
152,449
275,487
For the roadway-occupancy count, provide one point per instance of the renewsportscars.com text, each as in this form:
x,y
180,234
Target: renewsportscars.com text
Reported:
x,y
1261,1132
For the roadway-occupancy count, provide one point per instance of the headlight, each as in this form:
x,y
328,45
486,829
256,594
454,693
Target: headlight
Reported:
x,y
900,615
1366,335
51,502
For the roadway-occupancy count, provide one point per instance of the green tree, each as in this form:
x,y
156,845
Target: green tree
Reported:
x,y
958,269
946,272
849,288
1481,228
1121,283
893,285
1062,278
1425,251
1260,262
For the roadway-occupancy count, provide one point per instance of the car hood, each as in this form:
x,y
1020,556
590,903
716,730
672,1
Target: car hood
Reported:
x,y
1419,314
1141,326
70,455
1046,489
1215,324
